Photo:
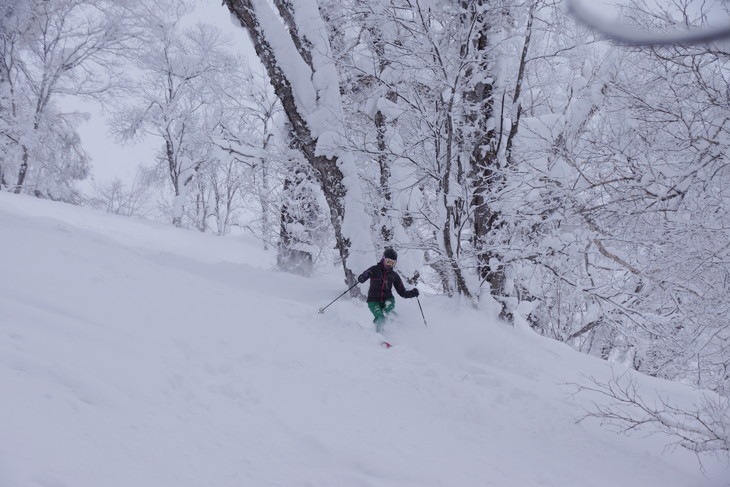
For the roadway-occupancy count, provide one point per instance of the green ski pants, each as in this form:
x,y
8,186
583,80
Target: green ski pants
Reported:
x,y
380,311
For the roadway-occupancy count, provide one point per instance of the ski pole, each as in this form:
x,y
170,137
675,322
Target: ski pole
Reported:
x,y
321,310
424,316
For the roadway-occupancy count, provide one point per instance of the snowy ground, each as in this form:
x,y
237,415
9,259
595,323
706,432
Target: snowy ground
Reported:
x,y
134,354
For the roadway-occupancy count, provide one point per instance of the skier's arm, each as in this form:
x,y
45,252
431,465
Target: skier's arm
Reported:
x,y
398,284
364,276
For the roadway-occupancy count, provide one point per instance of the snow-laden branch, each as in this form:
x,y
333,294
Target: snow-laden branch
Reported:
x,y
703,427
294,48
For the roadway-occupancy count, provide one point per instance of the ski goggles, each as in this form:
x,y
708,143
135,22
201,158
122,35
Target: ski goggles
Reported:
x,y
389,262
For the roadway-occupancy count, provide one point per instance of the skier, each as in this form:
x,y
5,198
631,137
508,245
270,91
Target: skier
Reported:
x,y
380,296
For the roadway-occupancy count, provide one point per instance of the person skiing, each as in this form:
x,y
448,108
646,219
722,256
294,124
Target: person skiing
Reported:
x,y
381,301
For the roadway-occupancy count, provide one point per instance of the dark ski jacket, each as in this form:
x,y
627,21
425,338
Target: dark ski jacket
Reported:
x,y
382,281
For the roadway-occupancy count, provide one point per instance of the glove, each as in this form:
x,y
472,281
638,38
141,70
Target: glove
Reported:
x,y
414,292
362,278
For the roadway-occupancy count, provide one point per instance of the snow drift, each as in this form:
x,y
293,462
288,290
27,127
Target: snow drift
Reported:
x,y
137,354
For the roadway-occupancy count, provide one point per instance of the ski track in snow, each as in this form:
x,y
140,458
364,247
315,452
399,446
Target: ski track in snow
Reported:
x,y
138,354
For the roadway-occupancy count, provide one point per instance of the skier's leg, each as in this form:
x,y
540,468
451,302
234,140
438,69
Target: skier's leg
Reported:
x,y
377,310
388,307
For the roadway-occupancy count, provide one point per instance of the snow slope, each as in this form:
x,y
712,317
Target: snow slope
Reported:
x,y
134,354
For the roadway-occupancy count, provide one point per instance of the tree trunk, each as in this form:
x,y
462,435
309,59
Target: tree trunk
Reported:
x,y
290,258
177,205
387,231
23,171
264,191
449,203
325,168
386,226
486,162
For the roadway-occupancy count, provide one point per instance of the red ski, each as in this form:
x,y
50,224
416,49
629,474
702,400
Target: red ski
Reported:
x,y
386,344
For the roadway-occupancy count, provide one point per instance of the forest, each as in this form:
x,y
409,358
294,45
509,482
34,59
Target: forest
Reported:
x,y
520,160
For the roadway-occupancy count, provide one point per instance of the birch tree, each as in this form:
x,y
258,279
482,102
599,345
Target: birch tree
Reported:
x,y
246,130
429,79
619,229
295,50
52,49
178,68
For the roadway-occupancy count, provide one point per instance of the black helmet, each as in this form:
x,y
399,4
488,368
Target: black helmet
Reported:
x,y
390,254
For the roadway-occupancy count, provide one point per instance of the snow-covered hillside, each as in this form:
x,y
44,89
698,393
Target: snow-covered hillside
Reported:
x,y
134,354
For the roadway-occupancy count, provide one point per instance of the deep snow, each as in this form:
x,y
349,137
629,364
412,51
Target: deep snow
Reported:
x,y
135,354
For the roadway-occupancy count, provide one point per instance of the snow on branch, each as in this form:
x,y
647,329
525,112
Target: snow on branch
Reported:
x,y
703,427
288,57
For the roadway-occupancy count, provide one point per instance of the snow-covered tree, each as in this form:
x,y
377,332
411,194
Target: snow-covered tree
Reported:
x,y
51,49
245,129
120,198
614,215
178,68
426,82
293,45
